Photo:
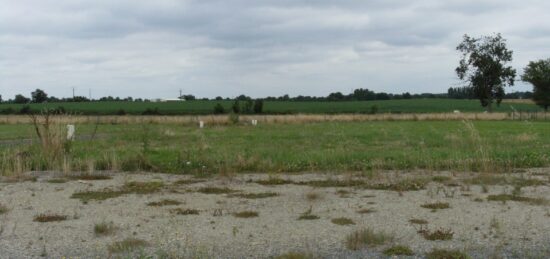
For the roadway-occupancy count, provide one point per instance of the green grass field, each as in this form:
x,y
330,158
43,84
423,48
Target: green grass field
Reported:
x,y
207,107
327,146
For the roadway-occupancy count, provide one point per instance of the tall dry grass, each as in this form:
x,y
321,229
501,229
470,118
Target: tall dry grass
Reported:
x,y
262,119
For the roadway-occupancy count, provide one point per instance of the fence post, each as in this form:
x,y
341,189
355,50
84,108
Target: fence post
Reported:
x,y
70,132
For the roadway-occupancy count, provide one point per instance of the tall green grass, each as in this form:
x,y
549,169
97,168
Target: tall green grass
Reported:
x,y
488,146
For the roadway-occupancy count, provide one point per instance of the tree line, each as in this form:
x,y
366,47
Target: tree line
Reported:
x,y
484,67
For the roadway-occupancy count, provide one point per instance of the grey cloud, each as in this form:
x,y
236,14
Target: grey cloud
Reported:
x,y
271,47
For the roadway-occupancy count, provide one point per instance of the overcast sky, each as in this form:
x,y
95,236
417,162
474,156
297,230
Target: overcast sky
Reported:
x,y
150,49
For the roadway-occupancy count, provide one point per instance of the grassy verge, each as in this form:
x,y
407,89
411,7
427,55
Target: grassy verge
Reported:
x,y
488,146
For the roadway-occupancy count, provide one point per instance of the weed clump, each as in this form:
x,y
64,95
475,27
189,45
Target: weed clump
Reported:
x,y
436,205
165,202
510,197
185,212
104,228
90,177
418,221
96,195
57,180
366,237
446,254
188,181
142,187
49,217
3,209
399,250
246,214
215,190
342,221
274,181
307,215
262,195
126,245
295,255
439,234
366,211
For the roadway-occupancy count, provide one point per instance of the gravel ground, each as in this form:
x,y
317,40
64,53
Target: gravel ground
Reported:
x,y
481,228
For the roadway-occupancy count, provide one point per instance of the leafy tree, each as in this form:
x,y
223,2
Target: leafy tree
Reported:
x,y
538,74
258,106
188,97
21,99
484,67
39,96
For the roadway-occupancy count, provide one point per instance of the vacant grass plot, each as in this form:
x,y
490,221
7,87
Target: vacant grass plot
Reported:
x,y
487,146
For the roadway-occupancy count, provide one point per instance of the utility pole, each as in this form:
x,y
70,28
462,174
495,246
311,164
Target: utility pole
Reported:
x,y
90,93
73,92
180,94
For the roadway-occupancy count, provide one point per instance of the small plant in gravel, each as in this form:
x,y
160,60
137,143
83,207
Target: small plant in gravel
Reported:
x,y
295,255
126,245
96,195
165,202
262,195
366,211
49,217
510,197
57,180
3,209
215,190
90,177
143,187
438,234
188,181
418,221
308,215
366,237
436,205
399,250
446,254
104,228
343,193
246,214
312,196
274,180
342,221
185,212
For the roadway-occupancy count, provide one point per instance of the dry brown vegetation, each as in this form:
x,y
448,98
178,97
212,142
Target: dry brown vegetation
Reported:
x,y
262,119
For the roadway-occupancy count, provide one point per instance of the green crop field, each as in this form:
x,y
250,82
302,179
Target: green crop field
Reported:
x,y
278,107
327,146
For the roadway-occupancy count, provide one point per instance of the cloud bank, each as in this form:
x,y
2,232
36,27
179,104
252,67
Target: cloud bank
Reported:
x,y
271,47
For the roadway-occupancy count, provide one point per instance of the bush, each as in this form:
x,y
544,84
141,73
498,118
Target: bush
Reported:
x,y
218,109
374,109
25,110
258,106
233,118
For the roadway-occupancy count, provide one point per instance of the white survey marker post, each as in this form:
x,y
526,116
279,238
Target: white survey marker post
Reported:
x,y
201,124
254,122
70,132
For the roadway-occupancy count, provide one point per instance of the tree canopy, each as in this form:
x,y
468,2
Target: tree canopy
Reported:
x,y
538,74
484,66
